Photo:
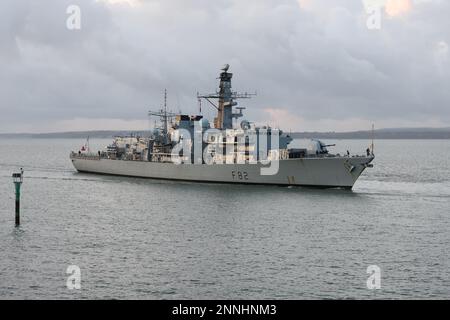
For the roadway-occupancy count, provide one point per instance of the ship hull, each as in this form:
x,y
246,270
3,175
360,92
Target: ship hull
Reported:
x,y
326,172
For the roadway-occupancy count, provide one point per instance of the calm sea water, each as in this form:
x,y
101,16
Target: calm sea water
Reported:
x,y
145,239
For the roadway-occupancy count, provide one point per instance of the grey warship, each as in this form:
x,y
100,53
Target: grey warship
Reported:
x,y
188,148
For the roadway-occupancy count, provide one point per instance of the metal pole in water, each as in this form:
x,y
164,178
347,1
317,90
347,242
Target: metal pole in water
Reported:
x,y
18,179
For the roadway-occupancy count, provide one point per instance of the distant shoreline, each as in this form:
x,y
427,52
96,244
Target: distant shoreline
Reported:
x,y
380,134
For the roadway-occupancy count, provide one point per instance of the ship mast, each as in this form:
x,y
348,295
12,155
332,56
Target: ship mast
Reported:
x,y
373,134
165,112
164,117
226,97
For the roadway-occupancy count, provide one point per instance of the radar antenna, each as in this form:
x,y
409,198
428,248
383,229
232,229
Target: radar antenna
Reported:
x,y
226,97
164,117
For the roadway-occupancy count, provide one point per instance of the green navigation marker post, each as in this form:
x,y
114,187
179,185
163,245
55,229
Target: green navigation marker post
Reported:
x,y
18,179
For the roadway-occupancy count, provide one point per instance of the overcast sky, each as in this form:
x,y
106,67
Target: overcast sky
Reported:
x,y
314,63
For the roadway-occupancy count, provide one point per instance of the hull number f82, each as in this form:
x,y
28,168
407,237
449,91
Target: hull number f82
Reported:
x,y
239,175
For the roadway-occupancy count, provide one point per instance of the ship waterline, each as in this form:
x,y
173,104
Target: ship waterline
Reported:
x,y
330,172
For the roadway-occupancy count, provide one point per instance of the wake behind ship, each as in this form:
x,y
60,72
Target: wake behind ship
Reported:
x,y
187,147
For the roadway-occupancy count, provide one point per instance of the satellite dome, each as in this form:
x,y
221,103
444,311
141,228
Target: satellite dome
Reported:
x,y
155,132
204,123
245,125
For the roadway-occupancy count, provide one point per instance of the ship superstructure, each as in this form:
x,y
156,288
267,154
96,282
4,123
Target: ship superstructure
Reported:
x,y
189,147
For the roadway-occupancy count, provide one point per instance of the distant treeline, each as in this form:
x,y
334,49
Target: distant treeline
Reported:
x,y
104,134
378,134
395,133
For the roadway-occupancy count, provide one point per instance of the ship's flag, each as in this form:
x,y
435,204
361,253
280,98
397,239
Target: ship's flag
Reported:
x,y
85,147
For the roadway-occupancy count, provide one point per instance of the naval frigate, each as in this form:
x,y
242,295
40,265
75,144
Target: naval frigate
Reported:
x,y
188,148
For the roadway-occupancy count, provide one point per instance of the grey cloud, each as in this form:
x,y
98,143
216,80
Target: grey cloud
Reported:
x,y
315,62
